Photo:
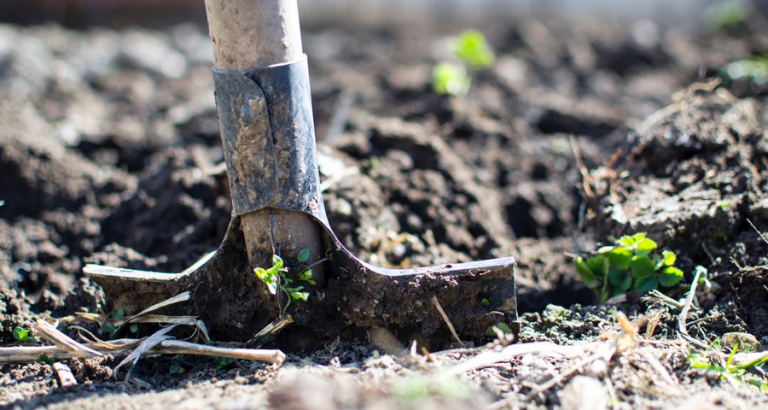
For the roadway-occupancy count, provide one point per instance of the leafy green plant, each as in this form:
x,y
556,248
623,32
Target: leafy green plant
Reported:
x,y
752,69
472,52
275,278
630,263
21,334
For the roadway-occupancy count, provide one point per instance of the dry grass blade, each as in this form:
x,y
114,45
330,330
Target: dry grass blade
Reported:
x,y
181,297
447,321
144,347
46,331
175,320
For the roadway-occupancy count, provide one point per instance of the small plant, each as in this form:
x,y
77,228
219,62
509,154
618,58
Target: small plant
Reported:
x,y
473,53
275,278
727,15
21,334
752,69
742,373
222,362
630,263
44,358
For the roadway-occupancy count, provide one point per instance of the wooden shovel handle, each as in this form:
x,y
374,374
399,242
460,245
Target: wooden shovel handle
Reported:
x,y
250,33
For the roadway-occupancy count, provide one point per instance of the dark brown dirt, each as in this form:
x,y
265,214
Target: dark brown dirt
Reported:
x,y
109,153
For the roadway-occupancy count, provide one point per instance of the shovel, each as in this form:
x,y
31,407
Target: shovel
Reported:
x,y
263,99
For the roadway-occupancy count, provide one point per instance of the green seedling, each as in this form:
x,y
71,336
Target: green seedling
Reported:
x,y
44,358
723,204
738,372
472,52
275,278
222,362
118,314
629,264
450,79
752,69
502,327
134,328
176,369
471,48
485,302
21,334
727,15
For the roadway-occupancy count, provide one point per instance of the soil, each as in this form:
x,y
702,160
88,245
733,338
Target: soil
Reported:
x,y
579,133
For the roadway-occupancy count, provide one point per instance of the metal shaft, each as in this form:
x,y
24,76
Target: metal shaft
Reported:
x,y
247,34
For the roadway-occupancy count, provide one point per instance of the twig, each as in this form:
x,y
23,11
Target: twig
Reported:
x,y
757,230
606,355
64,374
182,347
490,358
585,177
46,331
681,319
447,321
31,354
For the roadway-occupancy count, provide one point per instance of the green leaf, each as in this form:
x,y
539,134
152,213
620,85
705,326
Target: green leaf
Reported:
x,y
303,255
450,79
620,257
586,274
605,249
601,295
269,279
641,267
118,314
471,48
176,369
620,279
646,283
670,276
297,296
644,247
485,302
631,240
21,334
44,358
134,328
306,274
